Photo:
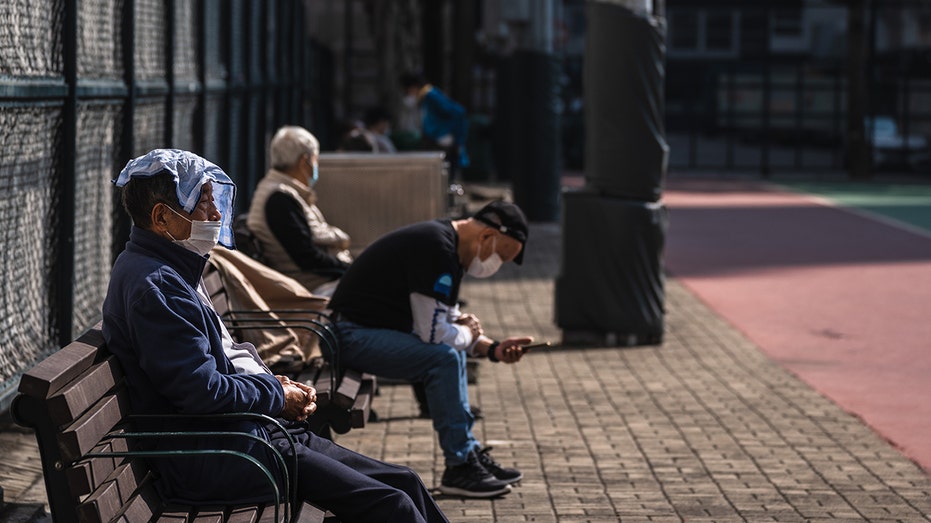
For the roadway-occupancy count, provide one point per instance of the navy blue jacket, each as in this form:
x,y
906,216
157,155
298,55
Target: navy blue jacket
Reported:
x,y
169,345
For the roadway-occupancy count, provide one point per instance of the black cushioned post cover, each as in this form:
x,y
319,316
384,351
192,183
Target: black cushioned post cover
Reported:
x,y
611,272
626,153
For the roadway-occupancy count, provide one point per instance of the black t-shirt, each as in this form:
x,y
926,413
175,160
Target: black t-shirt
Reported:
x,y
422,258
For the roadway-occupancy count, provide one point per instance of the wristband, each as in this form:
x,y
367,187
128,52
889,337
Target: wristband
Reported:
x,y
491,352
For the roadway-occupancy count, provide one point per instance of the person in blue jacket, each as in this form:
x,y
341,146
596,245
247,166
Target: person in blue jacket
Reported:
x,y
443,121
179,358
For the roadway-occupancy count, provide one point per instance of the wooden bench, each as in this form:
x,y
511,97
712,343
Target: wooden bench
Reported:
x,y
344,396
77,403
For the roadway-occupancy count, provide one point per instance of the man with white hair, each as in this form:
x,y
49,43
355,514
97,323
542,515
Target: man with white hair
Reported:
x,y
295,237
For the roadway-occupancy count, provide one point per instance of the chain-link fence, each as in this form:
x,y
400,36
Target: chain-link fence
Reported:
x,y
87,84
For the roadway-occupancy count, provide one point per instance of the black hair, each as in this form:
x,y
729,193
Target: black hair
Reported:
x,y
140,194
376,114
411,79
357,142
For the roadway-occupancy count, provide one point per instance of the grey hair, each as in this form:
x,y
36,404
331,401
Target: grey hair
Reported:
x,y
289,144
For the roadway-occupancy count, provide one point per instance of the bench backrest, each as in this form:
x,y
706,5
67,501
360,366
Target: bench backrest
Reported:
x,y
73,399
368,195
246,240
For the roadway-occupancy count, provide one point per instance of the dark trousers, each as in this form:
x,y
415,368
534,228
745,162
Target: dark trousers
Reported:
x,y
355,487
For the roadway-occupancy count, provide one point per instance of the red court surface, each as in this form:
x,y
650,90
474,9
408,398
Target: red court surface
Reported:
x,y
836,297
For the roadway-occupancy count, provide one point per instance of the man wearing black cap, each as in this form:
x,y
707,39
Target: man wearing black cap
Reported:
x,y
398,315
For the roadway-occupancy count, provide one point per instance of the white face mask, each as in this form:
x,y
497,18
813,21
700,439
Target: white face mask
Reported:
x,y
484,269
204,235
410,101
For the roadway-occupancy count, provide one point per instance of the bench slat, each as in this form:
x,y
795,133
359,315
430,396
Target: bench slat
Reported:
x,y
142,507
56,371
82,392
311,514
362,406
268,513
348,389
174,514
249,514
213,283
86,475
208,515
108,499
322,385
78,438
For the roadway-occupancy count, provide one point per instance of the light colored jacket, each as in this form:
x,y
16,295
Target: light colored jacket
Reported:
x,y
325,235
249,285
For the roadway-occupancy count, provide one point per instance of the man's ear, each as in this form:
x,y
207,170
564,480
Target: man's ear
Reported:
x,y
158,218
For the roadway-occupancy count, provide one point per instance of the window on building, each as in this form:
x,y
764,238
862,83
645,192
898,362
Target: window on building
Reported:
x,y
787,22
924,27
683,30
719,31
702,32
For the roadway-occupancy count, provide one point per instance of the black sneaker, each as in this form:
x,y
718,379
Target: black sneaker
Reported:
x,y
506,475
471,480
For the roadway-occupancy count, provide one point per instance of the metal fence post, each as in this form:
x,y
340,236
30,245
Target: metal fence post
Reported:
x,y
66,186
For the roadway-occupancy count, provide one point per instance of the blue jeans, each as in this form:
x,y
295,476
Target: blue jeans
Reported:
x,y
442,369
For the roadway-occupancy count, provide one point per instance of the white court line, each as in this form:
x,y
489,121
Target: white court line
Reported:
x,y
827,202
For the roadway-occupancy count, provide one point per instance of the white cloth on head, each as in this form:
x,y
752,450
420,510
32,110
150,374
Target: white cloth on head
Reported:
x,y
190,172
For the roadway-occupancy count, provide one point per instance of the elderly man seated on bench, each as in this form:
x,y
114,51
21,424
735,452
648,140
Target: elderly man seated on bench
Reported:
x,y
295,237
179,358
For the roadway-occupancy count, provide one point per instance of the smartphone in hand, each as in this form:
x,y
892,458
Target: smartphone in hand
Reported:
x,y
540,345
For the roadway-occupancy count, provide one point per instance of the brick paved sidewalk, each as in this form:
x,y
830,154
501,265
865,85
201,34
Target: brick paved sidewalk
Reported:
x,y
704,428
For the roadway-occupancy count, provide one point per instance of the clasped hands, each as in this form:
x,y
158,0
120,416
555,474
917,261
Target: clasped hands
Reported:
x,y
300,400
471,321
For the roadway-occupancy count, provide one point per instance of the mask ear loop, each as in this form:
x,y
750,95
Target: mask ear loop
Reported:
x,y
494,247
177,213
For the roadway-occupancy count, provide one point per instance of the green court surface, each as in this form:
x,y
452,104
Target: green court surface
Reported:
x,y
907,203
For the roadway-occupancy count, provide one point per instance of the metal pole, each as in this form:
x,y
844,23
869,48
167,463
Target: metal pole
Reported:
x,y
859,155
347,58
543,26
67,184
200,128
766,105
170,10
121,222
799,101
